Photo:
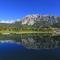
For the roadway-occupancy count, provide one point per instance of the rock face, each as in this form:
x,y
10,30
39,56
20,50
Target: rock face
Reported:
x,y
29,19
41,19
35,20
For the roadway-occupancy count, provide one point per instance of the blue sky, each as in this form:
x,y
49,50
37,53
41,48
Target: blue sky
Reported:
x,y
15,9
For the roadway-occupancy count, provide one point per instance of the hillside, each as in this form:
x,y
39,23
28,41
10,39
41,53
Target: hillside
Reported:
x,y
35,21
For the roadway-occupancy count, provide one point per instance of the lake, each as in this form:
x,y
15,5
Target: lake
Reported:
x,y
29,47
14,51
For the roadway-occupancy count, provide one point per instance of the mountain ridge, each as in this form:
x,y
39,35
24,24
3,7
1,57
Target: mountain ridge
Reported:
x,y
43,19
36,20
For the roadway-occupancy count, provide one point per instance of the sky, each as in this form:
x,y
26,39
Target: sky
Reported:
x,y
11,10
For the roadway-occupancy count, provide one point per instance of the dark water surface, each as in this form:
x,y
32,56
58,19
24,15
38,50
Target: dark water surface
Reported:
x,y
14,51
19,47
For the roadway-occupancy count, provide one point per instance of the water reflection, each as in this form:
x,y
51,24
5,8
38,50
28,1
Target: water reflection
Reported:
x,y
13,47
13,51
33,40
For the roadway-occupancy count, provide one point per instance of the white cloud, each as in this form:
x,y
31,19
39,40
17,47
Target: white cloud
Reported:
x,y
9,21
6,21
18,20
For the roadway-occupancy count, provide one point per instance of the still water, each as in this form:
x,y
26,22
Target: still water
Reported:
x,y
14,51
12,48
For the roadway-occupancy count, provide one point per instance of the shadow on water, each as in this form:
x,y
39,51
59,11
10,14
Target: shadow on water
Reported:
x,y
48,47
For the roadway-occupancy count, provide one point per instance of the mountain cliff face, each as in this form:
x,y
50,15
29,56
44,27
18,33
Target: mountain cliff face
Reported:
x,y
35,20
41,20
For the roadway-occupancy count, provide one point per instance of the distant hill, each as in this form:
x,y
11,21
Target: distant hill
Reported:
x,y
35,21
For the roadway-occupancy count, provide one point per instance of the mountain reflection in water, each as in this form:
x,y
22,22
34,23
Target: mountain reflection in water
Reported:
x,y
29,47
34,40
13,51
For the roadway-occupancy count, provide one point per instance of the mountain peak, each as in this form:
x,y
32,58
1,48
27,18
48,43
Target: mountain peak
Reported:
x,y
31,19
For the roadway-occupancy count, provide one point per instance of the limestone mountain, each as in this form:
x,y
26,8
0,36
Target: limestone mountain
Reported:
x,y
41,20
35,20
